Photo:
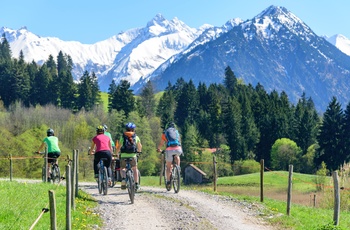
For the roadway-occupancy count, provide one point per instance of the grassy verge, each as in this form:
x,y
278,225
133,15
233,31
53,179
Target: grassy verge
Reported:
x,y
22,203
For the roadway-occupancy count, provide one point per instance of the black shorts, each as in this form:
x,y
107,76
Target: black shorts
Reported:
x,y
52,157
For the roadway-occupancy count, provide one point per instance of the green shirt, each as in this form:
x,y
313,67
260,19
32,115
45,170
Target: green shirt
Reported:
x,y
52,144
110,137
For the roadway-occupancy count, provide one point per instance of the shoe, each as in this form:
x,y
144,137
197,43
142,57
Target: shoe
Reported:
x,y
109,182
137,186
123,184
168,184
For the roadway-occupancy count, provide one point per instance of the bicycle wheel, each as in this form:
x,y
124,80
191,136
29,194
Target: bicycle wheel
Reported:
x,y
55,174
176,178
105,181
100,180
130,184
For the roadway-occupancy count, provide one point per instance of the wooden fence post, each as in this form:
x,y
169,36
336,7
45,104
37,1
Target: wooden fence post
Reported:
x,y
68,198
11,169
52,200
262,167
336,199
73,179
215,174
289,193
77,172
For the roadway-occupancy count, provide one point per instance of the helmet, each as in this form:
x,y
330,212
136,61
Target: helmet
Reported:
x,y
130,126
100,129
171,125
105,127
50,132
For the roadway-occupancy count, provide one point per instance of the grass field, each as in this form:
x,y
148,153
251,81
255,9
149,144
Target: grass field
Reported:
x,y
21,203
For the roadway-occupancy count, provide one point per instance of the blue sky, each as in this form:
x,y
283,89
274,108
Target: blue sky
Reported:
x,y
92,21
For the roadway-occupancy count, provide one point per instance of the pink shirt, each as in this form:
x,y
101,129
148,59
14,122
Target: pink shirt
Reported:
x,y
102,142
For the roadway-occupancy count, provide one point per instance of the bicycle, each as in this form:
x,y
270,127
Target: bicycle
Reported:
x,y
54,174
175,178
102,180
115,166
130,180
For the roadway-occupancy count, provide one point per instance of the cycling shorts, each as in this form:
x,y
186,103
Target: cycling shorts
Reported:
x,y
170,151
52,157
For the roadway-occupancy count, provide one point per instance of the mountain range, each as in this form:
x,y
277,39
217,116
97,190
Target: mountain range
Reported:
x,y
275,49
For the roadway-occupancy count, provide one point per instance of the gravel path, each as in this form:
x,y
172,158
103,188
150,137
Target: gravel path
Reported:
x,y
156,208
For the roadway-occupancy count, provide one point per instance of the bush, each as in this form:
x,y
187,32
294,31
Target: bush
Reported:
x,y
246,167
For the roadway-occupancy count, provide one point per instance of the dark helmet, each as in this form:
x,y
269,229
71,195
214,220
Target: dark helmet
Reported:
x,y
130,126
105,127
100,129
50,132
170,125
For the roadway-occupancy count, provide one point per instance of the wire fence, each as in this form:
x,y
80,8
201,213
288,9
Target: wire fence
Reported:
x,y
334,185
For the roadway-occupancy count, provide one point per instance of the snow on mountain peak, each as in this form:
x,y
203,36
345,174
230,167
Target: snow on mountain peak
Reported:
x,y
341,42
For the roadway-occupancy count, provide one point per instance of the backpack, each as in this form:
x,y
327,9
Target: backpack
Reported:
x,y
129,145
173,137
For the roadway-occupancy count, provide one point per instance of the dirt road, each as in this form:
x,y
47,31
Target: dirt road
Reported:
x,y
156,208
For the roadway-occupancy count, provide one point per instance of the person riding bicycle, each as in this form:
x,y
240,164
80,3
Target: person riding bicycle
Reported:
x,y
110,136
171,137
103,150
53,150
128,147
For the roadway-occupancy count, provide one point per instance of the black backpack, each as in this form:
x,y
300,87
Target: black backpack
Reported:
x,y
129,145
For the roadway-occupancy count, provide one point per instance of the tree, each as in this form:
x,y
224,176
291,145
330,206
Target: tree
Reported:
x,y
187,105
88,91
230,81
123,98
330,137
148,101
232,129
285,152
166,107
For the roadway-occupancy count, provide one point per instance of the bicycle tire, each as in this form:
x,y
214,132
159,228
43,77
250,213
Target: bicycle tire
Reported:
x,y
105,181
130,184
176,179
100,180
55,174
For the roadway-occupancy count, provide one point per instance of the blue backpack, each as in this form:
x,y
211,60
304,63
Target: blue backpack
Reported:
x,y
173,137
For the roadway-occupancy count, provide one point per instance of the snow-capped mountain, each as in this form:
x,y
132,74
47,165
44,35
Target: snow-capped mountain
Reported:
x,y
128,55
341,42
275,48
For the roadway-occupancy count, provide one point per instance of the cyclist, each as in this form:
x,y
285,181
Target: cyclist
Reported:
x,y
53,150
103,150
128,146
110,136
172,139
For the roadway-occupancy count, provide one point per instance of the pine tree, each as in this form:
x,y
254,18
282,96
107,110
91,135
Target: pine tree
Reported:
x,y
232,129
147,99
123,98
187,105
111,90
330,137
166,107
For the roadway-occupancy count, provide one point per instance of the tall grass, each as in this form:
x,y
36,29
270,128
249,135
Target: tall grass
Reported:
x,y
22,203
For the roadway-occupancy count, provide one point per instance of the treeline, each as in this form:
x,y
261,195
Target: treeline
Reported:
x,y
50,83
243,122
